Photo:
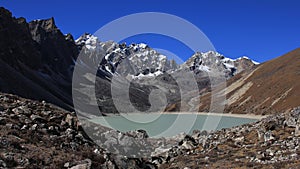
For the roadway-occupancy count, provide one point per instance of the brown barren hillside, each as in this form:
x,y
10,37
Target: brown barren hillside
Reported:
x,y
272,87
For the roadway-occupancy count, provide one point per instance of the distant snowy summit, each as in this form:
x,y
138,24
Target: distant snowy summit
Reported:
x,y
140,61
215,62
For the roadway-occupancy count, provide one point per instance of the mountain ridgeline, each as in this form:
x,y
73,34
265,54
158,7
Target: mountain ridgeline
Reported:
x,y
37,62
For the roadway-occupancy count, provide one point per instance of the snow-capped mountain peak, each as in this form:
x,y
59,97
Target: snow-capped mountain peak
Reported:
x,y
84,38
137,61
212,61
133,61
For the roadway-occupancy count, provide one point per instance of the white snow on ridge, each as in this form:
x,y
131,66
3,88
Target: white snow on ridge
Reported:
x,y
142,45
228,59
229,65
150,75
89,41
245,57
204,68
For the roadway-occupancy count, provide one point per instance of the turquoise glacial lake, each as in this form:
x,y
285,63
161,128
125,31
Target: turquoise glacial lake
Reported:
x,y
167,125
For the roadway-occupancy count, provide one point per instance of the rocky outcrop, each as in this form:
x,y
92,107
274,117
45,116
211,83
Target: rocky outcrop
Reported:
x,y
16,45
59,51
36,59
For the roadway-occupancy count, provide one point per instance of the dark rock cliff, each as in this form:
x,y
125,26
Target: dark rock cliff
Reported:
x,y
36,59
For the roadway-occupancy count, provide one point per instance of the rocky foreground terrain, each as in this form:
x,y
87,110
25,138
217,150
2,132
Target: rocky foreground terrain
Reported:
x,y
272,142
39,135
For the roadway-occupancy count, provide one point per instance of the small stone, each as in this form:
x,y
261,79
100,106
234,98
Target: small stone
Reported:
x,y
27,121
34,127
9,125
279,152
70,120
96,151
5,99
2,108
270,152
67,165
239,139
297,131
294,155
79,136
290,122
69,132
9,156
53,137
268,137
84,164
2,164
187,145
24,127
23,161
204,133
21,110
51,128
2,120
46,113
13,116
157,160
73,145
37,118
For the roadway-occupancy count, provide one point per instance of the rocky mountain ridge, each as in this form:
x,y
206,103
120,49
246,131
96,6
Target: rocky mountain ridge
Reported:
x,y
215,62
41,58
146,62
137,59
147,70
36,59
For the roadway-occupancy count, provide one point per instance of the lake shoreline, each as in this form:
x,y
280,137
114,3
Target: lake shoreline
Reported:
x,y
247,116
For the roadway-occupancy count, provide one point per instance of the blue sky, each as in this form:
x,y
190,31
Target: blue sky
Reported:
x,y
260,29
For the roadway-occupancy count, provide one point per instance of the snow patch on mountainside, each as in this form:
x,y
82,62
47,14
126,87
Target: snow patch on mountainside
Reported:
x,y
245,57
